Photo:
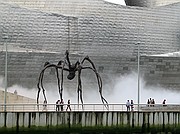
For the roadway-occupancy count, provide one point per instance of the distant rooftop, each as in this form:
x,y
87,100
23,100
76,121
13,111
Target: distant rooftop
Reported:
x,y
150,3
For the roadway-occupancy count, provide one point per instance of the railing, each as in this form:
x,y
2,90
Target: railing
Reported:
x,y
87,107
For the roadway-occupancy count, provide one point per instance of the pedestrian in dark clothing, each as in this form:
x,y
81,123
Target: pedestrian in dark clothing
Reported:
x,y
164,102
153,102
148,102
68,106
132,107
57,105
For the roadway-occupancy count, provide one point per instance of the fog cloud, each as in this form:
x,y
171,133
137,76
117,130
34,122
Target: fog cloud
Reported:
x,y
120,89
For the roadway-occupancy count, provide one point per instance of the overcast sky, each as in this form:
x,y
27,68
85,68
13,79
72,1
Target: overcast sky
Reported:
x,y
117,1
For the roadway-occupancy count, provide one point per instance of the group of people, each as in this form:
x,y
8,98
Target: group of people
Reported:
x,y
129,105
150,102
60,104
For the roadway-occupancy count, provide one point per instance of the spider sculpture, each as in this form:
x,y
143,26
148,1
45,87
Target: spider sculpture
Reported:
x,y
65,65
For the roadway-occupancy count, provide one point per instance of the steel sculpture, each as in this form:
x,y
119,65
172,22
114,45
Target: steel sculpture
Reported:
x,y
65,65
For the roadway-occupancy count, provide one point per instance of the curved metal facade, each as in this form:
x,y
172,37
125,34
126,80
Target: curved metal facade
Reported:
x,y
42,30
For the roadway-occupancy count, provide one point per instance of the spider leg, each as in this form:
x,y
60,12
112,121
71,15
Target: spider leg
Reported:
x,y
100,90
80,87
43,89
57,74
40,86
98,79
60,85
40,82
67,58
104,101
39,89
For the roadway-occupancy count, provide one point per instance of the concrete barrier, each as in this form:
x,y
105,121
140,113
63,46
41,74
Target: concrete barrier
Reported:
x,y
15,98
126,122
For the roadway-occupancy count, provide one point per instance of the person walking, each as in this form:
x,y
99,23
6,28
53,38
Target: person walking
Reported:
x,y
57,105
68,106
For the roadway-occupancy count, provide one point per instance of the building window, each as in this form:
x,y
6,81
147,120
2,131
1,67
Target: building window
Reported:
x,y
125,68
151,60
168,63
133,59
152,72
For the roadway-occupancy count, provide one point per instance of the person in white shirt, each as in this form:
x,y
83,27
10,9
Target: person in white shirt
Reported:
x,y
128,105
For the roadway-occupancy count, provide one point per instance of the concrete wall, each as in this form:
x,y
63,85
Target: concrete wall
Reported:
x,y
14,98
133,121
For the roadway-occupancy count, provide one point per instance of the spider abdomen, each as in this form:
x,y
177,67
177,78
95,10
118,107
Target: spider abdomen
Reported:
x,y
71,75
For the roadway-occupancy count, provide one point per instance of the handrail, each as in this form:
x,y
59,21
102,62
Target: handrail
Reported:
x,y
14,107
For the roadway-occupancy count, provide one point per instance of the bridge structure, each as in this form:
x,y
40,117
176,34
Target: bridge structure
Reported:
x,y
39,30
33,107
19,118
29,117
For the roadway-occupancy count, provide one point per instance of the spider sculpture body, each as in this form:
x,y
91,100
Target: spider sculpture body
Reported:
x,y
72,69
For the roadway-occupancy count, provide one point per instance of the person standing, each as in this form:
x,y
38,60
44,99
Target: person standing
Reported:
x,y
128,105
57,105
164,102
132,107
45,105
68,106
153,102
148,103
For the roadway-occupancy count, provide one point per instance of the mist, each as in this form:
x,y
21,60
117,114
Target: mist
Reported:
x,y
126,87
119,90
